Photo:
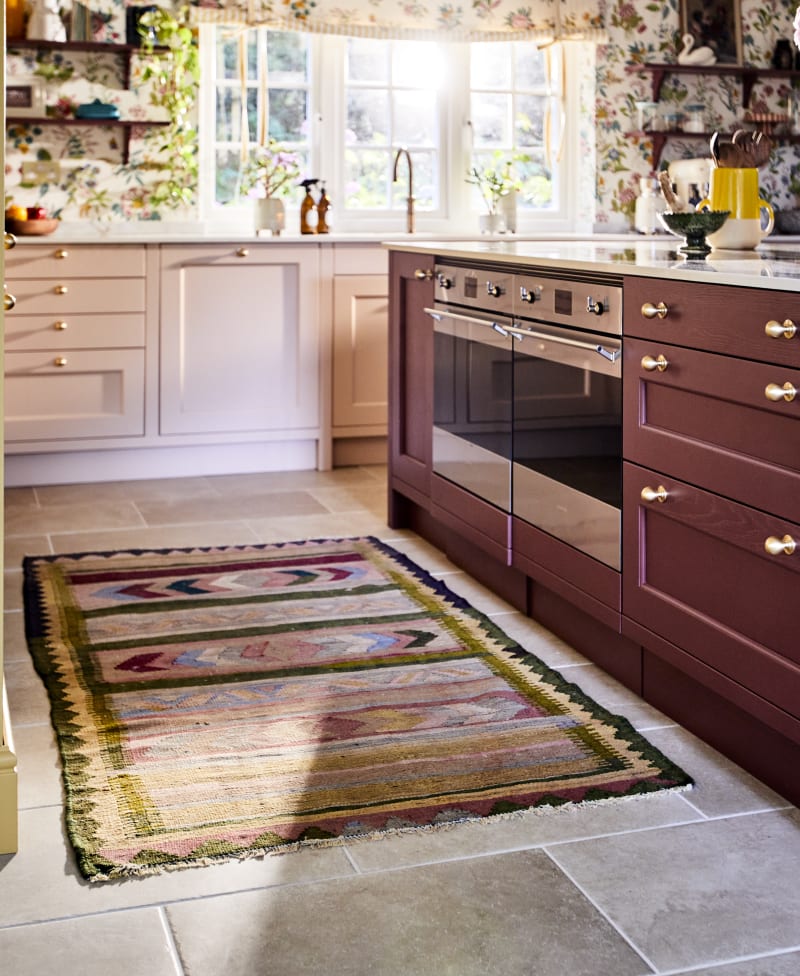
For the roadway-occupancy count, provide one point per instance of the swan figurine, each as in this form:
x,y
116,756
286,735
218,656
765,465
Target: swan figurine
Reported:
x,y
700,55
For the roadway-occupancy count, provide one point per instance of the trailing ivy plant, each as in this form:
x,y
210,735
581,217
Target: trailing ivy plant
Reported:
x,y
173,67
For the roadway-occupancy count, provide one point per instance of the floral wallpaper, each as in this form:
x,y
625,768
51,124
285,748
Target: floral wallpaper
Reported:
x,y
79,172
641,31
90,178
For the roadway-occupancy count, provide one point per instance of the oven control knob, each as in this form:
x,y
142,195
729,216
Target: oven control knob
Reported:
x,y
443,281
529,296
494,290
596,308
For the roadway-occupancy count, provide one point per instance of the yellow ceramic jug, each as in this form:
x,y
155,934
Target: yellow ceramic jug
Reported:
x,y
736,190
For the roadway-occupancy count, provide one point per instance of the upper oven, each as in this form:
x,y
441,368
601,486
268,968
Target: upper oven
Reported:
x,y
472,386
567,429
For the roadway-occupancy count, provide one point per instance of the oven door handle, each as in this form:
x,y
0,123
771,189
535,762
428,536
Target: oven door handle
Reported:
x,y
503,330
612,355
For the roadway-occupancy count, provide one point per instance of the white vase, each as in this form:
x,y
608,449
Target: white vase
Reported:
x,y
508,208
270,215
493,223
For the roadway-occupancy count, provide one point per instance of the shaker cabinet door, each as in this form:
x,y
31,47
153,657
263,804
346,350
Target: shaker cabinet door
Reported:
x,y
718,579
239,339
360,341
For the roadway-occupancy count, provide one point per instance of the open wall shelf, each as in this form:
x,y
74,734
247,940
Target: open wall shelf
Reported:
x,y
748,76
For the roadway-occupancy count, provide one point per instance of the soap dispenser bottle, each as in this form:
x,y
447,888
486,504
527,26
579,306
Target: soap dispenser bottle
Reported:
x,y
308,209
323,206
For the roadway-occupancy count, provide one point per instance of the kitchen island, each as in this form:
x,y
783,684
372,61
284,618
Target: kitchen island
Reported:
x,y
701,618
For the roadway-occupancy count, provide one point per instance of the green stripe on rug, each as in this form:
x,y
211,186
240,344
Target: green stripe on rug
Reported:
x,y
221,703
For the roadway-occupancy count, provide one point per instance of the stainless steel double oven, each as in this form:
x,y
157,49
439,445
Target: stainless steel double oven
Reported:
x,y
528,399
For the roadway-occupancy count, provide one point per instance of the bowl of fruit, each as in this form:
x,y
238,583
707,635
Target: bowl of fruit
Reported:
x,y
30,221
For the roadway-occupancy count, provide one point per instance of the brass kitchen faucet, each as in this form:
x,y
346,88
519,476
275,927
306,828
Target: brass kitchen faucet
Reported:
x,y
410,198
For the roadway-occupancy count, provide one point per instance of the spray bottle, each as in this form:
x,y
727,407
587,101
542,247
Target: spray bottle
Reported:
x,y
308,211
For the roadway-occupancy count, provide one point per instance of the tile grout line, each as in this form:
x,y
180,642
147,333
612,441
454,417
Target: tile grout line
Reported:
x,y
639,952
171,944
732,961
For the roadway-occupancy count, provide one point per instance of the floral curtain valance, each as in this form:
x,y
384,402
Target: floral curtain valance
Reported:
x,y
439,20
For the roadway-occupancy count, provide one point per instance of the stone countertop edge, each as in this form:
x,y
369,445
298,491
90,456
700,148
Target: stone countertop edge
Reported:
x,y
774,265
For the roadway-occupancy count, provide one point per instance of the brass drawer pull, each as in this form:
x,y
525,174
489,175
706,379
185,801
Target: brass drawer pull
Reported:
x,y
650,364
9,241
423,274
654,494
60,361
776,546
61,289
778,330
651,311
8,301
61,253
60,326
242,252
776,393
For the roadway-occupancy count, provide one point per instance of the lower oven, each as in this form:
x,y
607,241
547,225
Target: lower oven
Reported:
x,y
567,414
528,399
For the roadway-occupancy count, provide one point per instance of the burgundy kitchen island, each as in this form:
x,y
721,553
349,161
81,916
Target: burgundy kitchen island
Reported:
x,y
688,588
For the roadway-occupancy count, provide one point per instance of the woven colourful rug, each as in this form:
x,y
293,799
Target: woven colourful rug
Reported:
x,y
222,703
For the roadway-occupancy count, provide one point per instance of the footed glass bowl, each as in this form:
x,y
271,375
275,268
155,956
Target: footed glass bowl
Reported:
x,y
693,226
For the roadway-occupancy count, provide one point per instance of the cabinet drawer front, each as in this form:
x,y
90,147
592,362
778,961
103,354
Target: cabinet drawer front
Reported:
x,y
74,260
352,259
707,419
717,318
93,394
63,296
29,332
698,574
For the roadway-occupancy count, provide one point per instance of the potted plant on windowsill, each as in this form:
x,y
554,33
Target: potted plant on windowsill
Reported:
x,y
498,186
268,173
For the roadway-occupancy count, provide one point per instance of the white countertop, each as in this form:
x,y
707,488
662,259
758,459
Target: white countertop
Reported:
x,y
774,264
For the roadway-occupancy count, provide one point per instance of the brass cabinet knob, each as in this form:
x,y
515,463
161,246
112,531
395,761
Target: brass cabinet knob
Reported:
x,y
60,361
651,311
60,326
654,494
780,330
776,547
423,274
62,253
776,393
61,289
8,301
9,241
242,252
650,364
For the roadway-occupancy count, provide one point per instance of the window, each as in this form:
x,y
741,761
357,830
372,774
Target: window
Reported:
x,y
347,104
391,103
514,101
262,88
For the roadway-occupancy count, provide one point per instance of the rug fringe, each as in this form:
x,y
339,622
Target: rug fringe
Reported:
x,y
573,809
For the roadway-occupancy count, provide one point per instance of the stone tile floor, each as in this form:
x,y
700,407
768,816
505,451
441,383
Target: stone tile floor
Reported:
x,y
705,882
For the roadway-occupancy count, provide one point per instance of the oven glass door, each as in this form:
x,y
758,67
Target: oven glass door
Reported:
x,y
567,450
472,403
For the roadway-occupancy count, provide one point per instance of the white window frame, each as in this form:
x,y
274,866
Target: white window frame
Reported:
x,y
455,216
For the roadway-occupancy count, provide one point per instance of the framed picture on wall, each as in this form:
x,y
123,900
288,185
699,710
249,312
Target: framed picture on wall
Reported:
x,y
716,24
24,97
